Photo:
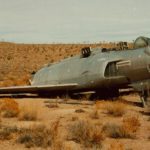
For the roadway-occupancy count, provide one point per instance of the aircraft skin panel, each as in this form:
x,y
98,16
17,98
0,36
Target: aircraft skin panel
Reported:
x,y
33,89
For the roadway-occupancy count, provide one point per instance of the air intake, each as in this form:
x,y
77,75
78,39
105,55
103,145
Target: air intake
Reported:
x,y
85,52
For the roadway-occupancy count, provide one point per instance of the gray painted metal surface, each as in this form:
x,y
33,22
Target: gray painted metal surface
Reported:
x,y
99,70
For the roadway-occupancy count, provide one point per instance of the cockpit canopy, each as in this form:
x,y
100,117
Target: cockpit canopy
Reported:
x,y
142,42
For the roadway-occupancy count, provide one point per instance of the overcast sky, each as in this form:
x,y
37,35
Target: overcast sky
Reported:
x,y
46,21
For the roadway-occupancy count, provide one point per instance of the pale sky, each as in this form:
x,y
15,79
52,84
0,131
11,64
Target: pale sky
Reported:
x,y
67,21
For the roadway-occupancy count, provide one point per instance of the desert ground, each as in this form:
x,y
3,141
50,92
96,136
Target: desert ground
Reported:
x,y
32,122
37,123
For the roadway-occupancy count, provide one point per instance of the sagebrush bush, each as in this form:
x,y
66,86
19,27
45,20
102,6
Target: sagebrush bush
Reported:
x,y
131,123
116,131
115,108
38,136
7,131
9,107
74,118
5,134
86,133
127,129
79,111
41,136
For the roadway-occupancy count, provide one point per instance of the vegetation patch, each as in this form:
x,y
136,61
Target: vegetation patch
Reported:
x,y
131,123
79,111
86,133
116,131
40,136
28,113
115,108
127,129
74,118
9,108
6,132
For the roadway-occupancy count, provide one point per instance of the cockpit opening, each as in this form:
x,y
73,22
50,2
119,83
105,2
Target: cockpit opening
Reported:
x,y
111,70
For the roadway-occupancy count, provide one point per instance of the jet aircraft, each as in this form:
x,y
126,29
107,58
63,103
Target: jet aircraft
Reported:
x,y
100,71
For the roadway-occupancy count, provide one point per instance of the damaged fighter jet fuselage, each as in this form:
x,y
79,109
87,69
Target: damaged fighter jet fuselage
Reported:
x,y
94,70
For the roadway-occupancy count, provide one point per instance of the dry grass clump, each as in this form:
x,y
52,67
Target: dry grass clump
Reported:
x,y
79,111
131,123
9,107
74,118
115,108
86,133
28,113
116,131
6,132
126,130
94,114
40,136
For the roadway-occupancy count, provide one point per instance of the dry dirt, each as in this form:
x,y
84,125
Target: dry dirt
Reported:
x,y
66,114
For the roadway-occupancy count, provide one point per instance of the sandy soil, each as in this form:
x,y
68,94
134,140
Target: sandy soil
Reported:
x,y
65,113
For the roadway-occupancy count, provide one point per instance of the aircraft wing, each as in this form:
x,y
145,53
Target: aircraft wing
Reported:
x,y
36,88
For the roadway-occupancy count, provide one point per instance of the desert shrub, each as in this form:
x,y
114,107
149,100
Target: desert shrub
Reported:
x,y
6,132
115,108
40,136
74,118
28,113
116,131
126,130
94,114
26,139
79,111
86,133
9,107
131,123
